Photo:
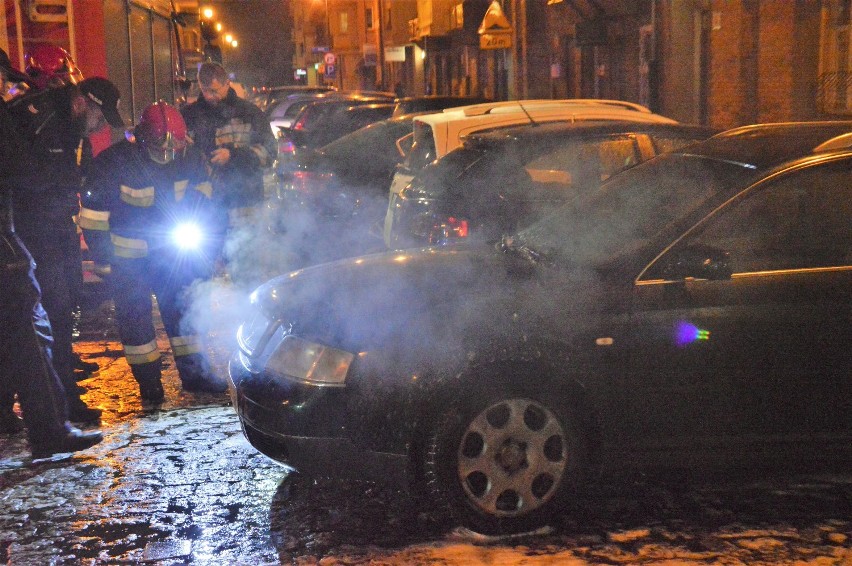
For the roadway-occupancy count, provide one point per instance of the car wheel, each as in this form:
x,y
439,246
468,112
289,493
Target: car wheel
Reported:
x,y
505,464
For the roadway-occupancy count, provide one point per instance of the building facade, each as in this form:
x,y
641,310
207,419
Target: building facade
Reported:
x,y
717,62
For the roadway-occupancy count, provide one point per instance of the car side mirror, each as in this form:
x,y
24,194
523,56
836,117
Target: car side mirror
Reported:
x,y
698,262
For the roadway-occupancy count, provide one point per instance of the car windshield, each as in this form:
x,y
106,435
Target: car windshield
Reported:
x,y
631,209
367,144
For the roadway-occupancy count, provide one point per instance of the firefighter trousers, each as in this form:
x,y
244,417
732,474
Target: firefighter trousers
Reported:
x,y
132,283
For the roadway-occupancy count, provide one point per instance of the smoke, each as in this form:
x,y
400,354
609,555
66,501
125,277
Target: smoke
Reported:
x,y
273,239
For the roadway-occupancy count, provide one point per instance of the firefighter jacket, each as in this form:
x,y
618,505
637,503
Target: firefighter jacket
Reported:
x,y
241,127
131,205
46,196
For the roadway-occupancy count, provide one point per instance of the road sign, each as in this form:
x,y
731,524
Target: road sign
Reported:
x,y
330,71
330,58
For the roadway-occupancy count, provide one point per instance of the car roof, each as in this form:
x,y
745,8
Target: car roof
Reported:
x,y
582,110
518,105
558,130
763,146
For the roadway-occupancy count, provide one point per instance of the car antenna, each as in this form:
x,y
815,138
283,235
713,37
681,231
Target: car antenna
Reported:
x,y
533,122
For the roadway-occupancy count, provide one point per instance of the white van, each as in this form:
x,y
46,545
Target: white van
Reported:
x,y
435,135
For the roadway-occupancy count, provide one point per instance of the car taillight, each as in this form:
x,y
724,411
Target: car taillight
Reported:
x,y
285,146
451,228
439,230
310,182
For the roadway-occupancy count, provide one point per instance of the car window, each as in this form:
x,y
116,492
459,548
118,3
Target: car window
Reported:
x,y
423,148
663,143
631,209
583,163
799,221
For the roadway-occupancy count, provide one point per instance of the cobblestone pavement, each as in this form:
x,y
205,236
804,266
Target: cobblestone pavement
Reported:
x,y
180,485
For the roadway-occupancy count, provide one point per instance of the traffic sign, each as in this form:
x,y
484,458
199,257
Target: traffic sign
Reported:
x,y
330,58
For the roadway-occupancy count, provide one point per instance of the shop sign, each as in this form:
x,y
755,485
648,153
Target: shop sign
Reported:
x,y
495,41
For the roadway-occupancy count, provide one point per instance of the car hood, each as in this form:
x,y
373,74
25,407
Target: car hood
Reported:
x,y
435,298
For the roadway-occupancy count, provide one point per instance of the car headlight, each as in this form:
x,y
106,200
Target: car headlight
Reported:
x,y
313,363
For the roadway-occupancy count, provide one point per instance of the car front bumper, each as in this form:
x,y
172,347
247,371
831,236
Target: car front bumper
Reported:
x,y
304,427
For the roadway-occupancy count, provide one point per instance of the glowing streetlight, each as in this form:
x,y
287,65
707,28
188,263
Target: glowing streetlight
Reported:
x,y
207,13
218,26
229,38
234,43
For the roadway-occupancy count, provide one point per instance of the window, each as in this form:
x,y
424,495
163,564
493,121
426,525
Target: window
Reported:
x,y
664,144
368,18
344,22
584,163
800,221
835,94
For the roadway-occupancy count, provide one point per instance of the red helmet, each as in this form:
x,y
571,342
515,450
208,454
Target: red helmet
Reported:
x,y
162,132
51,66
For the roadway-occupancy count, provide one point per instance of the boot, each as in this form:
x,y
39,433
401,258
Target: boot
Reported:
x,y
152,392
196,375
148,376
79,412
86,367
72,441
10,423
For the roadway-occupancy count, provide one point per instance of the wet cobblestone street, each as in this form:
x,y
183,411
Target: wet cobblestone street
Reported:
x,y
180,485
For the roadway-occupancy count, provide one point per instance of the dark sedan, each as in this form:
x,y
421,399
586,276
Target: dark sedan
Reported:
x,y
501,181
695,311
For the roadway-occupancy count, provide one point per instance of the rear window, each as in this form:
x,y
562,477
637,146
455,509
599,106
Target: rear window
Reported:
x,y
423,149
582,163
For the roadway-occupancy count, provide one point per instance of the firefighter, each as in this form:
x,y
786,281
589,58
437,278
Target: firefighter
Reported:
x,y
48,67
25,362
56,127
234,136
138,197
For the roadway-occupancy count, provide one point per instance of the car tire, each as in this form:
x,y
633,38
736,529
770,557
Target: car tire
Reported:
x,y
503,464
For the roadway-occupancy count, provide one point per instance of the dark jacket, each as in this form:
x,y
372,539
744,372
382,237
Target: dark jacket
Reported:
x,y
132,204
14,258
240,126
46,195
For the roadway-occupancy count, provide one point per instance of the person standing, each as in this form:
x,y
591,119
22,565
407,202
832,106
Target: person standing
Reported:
x,y
235,137
147,213
56,127
25,360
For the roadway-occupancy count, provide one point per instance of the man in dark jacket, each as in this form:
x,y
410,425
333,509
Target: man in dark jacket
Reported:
x,y
25,360
56,128
147,213
235,137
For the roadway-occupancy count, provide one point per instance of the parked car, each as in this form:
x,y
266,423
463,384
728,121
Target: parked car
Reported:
x,y
692,312
502,180
343,188
322,122
433,103
271,96
435,135
282,112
